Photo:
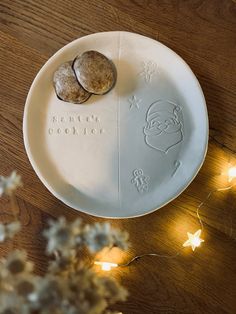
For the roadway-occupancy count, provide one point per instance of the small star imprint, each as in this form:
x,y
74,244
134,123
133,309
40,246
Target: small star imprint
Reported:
x,y
134,102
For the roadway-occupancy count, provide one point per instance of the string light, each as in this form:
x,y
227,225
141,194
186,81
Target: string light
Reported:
x,y
194,240
106,266
231,173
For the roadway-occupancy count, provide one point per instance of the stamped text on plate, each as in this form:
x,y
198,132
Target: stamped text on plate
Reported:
x,y
72,124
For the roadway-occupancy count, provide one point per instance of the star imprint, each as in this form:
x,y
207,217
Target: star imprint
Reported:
x,y
134,102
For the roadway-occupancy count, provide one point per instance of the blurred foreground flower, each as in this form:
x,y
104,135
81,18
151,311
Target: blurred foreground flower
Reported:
x,y
78,291
61,237
101,235
98,236
68,286
120,238
15,264
9,184
8,231
66,237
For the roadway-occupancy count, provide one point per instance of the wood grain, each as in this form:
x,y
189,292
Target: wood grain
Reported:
x,y
204,34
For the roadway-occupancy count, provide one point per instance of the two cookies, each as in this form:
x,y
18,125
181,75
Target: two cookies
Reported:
x,y
90,73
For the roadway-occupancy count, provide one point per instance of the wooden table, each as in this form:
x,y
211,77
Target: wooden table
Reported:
x,y
203,32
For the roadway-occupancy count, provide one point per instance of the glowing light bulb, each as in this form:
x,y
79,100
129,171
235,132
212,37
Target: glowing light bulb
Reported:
x,y
106,266
194,240
231,173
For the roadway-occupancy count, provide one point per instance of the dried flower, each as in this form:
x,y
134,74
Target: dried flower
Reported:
x,y
25,285
98,236
77,231
47,295
9,184
112,290
83,289
87,292
10,304
62,265
68,287
8,231
120,238
15,264
60,237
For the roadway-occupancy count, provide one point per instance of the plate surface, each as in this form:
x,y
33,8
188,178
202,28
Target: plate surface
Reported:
x,y
126,153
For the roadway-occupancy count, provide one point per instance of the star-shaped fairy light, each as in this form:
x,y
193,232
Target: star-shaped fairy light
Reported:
x,y
194,240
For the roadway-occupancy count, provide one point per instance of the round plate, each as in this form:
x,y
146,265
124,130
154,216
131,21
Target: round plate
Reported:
x,y
126,153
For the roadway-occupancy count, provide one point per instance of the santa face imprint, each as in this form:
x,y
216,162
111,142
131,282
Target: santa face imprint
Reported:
x,y
163,128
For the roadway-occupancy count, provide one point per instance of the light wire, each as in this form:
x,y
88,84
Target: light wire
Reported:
x,y
178,253
147,254
207,198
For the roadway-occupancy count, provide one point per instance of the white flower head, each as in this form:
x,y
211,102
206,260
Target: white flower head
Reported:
x,y
77,231
62,264
8,231
10,303
60,237
25,284
112,290
9,184
98,236
16,263
120,239
87,296
47,295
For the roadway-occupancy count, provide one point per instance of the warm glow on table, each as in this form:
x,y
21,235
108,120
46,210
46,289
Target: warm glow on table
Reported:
x,y
232,173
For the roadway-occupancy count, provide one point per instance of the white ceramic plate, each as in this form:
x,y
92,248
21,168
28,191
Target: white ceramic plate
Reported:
x,y
126,153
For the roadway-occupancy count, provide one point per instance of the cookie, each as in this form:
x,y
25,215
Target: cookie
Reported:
x,y
95,72
66,85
